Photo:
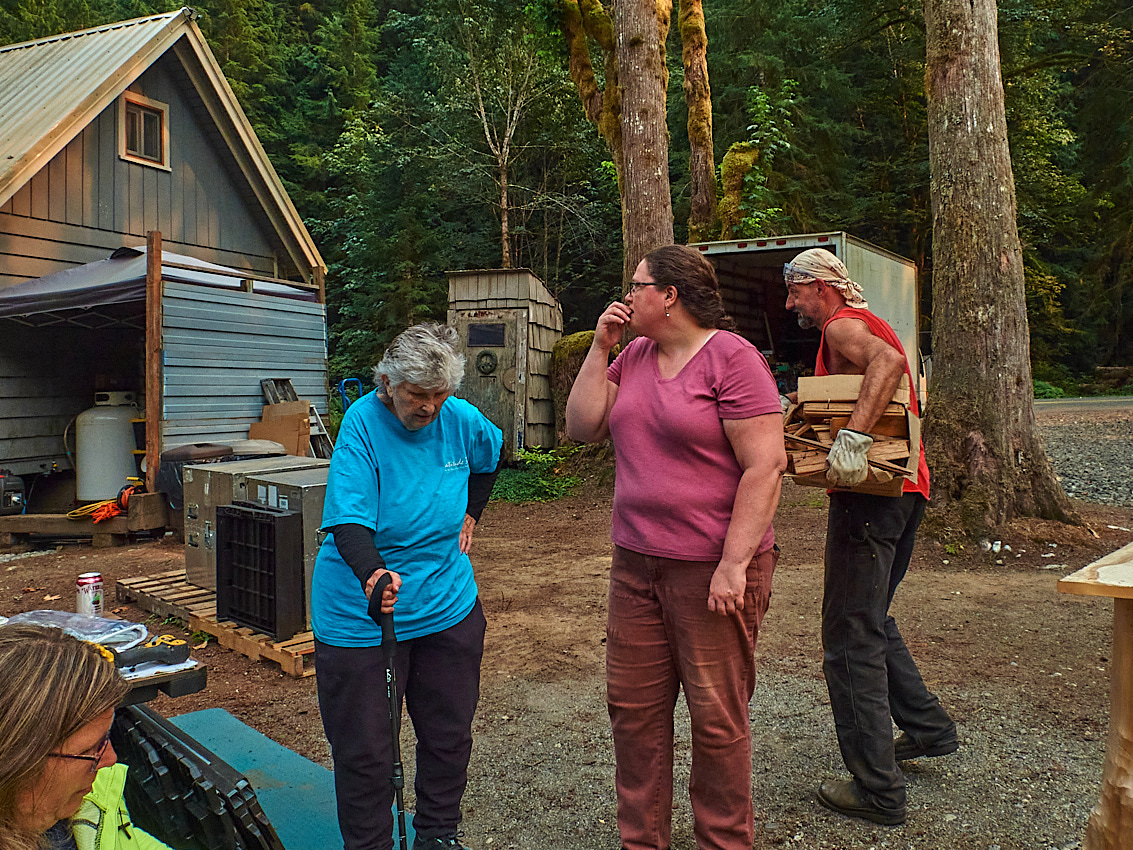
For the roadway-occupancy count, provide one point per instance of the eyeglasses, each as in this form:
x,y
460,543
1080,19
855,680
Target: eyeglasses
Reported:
x,y
94,760
635,288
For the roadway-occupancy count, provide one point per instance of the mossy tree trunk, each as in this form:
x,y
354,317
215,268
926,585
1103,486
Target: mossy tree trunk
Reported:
x,y
702,222
734,167
647,208
585,20
629,110
988,462
566,360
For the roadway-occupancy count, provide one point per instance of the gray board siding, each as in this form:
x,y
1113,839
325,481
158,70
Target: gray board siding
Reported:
x,y
49,376
87,201
220,345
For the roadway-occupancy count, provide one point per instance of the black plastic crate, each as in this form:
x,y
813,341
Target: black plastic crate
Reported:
x,y
182,793
259,569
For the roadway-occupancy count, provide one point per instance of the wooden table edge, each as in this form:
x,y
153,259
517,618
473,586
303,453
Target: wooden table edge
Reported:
x,y
1082,588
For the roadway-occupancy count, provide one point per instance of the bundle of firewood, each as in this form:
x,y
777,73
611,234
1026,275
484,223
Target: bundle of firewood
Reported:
x,y
824,407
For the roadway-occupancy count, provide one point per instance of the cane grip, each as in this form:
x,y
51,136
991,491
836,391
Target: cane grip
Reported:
x,y
375,610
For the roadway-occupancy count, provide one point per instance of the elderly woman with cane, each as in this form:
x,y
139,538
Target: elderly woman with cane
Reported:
x,y
60,783
697,428
412,470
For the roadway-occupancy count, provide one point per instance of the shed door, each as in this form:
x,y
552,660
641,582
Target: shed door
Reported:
x,y
494,378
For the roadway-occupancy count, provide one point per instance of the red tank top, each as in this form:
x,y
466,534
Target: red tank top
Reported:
x,y
880,328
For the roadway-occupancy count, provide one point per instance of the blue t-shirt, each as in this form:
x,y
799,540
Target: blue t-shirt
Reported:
x,y
411,489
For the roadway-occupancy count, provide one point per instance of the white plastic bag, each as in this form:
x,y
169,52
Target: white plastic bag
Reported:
x,y
118,635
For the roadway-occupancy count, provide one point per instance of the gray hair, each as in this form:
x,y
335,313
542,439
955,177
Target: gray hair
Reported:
x,y
427,355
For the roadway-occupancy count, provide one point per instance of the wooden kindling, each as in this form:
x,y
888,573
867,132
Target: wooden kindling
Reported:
x,y
826,404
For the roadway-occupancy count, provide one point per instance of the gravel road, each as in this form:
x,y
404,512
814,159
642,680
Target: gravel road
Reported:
x,y
1090,443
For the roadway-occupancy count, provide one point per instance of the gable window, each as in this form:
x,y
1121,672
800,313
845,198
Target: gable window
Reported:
x,y
144,130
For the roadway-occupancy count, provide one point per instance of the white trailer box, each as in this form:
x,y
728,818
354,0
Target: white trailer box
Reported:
x,y
751,281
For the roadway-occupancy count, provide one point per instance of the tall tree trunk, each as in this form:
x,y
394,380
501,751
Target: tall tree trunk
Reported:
x,y
505,234
584,20
641,27
988,462
702,222
629,109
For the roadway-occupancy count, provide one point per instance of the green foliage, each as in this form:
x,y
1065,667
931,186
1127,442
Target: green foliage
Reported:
x,y
770,116
1045,390
367,110
538,477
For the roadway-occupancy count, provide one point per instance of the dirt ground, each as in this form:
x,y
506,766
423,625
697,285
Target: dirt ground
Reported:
x,y
1022,668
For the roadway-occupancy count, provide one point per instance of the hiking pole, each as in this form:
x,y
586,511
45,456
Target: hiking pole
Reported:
x,y
389,649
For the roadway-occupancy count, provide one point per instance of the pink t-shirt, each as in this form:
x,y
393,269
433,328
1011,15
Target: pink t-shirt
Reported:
x,y
677,476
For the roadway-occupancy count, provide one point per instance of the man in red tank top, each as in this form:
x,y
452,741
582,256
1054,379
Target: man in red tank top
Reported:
x,y
870,675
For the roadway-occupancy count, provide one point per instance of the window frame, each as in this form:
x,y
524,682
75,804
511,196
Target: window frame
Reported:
x,y
145,103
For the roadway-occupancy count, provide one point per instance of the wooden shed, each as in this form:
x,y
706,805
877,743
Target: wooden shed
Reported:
x,y
151,243
508,323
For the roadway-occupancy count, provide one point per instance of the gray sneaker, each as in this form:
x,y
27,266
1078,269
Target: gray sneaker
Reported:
x,y
439,842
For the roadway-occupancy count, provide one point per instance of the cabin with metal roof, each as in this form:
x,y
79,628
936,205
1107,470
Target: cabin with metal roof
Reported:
x,y
147,245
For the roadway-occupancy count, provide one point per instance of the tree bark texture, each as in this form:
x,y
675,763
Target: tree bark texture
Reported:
x,y
702,222
641,27
988,462
505,227
583,19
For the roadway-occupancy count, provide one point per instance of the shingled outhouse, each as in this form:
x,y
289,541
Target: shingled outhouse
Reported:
x,y
508,323
146,245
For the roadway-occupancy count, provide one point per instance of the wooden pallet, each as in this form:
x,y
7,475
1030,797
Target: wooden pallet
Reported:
x,y
169,595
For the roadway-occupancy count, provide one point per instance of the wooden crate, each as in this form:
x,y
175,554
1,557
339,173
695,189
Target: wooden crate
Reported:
x,y
169,595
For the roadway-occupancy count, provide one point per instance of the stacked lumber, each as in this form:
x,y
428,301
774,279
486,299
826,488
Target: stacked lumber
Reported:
x,y
824,408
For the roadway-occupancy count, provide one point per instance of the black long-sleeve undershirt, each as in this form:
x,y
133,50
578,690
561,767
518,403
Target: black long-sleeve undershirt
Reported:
x,y
480,488
356,543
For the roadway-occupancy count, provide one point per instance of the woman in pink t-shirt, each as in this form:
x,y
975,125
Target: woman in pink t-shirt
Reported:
x,y
694,415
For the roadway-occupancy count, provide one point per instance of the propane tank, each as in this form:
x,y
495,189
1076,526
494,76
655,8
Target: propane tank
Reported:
x,y
104,445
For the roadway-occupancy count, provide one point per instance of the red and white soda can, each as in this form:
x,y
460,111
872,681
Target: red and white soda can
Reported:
x,y
88,594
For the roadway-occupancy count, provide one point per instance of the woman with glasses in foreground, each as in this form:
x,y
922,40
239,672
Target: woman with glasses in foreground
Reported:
x,y
60,784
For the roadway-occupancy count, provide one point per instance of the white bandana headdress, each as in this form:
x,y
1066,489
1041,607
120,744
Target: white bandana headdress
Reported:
x,y
820,264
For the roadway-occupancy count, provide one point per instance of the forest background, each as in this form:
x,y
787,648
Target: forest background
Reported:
x,y
397,125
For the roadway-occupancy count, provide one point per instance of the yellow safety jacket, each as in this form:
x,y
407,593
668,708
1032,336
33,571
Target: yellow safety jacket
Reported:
x,y
102,822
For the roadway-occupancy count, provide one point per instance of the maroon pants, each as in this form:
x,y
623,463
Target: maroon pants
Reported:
x,y
660,637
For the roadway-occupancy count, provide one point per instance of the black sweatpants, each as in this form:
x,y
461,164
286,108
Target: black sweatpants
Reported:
x,y
439,678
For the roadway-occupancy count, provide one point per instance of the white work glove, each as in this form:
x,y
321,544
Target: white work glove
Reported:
x,y
846,464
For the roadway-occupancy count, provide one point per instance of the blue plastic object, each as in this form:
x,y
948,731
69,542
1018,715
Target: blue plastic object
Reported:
x,y
342,387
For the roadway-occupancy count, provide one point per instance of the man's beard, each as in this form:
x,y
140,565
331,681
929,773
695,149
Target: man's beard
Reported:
x,y
805,321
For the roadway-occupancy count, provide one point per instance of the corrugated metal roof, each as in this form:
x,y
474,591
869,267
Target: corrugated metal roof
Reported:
x,y
52,88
